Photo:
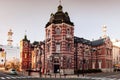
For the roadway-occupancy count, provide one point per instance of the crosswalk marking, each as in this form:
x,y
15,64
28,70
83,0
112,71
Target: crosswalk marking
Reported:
x,y
8,77
28,77
2,77
15,77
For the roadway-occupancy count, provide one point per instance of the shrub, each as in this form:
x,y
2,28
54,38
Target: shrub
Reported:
x,y
88,71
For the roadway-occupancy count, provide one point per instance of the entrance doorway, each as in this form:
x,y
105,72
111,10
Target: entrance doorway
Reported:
x,y
56,68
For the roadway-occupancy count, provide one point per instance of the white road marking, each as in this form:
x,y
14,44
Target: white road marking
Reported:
x,y
2,77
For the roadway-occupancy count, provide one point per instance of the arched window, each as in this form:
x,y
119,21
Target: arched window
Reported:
x,y
68,31
57,30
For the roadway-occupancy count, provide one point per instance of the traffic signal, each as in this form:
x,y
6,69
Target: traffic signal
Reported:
x,y
2,60
1,49
2,53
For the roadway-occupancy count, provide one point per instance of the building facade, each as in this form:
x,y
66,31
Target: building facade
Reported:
x,y
103,53
25,54
62,52
116,54
59,43
95,54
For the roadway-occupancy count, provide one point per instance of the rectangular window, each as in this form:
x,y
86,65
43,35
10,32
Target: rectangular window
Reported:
x,y
48,47
25,55
57,48
68,47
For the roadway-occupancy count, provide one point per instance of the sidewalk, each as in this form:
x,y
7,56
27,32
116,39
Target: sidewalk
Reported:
x,y
86,76
35,74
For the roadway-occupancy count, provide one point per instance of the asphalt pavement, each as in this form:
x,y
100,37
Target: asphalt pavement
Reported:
x,y
35,76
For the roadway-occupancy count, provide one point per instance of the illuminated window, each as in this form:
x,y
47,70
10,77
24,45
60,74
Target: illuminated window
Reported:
x,y
25,55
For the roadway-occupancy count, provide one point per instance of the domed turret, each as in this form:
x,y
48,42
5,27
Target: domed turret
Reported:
x,y
59,17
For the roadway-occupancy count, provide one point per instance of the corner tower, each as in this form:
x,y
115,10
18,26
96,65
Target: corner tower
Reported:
x,y
10,33
59,43
25,54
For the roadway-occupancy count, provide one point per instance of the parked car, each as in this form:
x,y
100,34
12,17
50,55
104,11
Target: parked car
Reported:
x,y
13,72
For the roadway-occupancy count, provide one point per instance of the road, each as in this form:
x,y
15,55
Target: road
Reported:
x,y
106,76
6,76
98,76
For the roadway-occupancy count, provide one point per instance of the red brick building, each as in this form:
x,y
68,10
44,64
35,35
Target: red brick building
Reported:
x,y
95,54
59,43
62,52
104,56
25,54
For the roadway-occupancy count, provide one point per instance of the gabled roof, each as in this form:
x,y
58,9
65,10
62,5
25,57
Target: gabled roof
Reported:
x,y
88,42
81,40
98,42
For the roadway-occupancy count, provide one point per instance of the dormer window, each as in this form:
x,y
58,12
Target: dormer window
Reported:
x,y
57,30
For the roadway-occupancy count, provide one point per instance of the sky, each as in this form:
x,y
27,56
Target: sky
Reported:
x,y
30,17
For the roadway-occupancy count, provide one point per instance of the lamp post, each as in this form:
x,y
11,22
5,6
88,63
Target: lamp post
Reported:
x,y
84,50
29,70
5,60
40,55
83,59
49,65
40,65
36,58
83,63
76,58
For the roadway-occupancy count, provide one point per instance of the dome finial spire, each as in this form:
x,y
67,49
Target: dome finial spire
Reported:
x,y
59,2
25,32
59,7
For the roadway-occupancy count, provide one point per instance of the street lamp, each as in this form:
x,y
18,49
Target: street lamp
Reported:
x,y
84,50
40,54
83,59
5,60
76,58
29,70
83,64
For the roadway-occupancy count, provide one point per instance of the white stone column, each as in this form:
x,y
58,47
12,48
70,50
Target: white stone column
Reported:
x,y
93,65
99,63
